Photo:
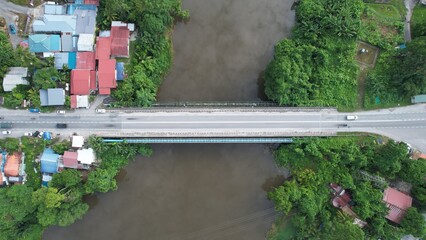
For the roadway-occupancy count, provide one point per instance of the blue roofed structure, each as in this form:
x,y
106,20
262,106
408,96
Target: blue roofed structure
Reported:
x,y
55,24
72,7
49,161
47,136
52,97
119,67
65,58
39,43
54,9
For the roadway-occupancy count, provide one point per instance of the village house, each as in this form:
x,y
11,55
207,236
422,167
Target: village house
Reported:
x,y
398,203
52,97
14,168
14,77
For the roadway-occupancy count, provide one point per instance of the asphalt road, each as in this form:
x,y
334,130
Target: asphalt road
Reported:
x,y
403,124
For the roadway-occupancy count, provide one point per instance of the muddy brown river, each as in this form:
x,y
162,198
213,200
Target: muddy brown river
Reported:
x,y
204,191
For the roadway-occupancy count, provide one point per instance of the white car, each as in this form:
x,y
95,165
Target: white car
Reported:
x,y
351,117
41,134
28,134
6,132
99,110
60,112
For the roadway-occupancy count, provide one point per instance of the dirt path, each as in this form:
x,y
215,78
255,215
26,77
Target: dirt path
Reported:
x,y
409,4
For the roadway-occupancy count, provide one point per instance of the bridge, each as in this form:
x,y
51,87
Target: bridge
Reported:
x,y
402,124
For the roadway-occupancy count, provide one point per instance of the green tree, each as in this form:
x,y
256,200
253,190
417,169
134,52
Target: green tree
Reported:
x,y
101,180
61,147
7,57
414,223
46,78
48,202
284,196
388,158
68,178
368,201
413,171
343,230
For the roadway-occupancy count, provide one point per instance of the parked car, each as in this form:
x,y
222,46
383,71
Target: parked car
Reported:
x,y
351,117
6,132
99,110
34,110
12,28
40,135
61,125
60,112
28,134
36,133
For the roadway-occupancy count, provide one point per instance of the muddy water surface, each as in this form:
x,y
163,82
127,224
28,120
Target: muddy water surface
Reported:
x,y
204,191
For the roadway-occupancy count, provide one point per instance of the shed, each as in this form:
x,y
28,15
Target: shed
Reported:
x,y
120,71
85,42
397,202
45,179
70,159
77,141
49,161
15,76
86,156
419,99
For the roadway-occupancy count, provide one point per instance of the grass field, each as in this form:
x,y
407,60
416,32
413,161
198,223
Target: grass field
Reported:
x,y
385,10
282,229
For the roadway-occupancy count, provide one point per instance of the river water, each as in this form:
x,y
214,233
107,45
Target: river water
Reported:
x,y
204,191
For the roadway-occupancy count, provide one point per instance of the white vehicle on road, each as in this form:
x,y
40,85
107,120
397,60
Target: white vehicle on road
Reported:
x,y
351,117
6,132
28,134
99,110
60,112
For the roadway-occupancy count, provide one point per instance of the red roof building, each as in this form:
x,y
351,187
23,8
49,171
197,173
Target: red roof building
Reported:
x,y
70,159
103,48
93,2
341,200
120,36
80,81
106,76
397,202
93,80
11,167
86,60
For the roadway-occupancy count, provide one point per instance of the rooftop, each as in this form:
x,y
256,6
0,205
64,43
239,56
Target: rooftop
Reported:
x,y
70,159
56,24
120,41
14,77
86,60
52,97
397,202
49,161
86,156
39,43
106,75
80,81
103,48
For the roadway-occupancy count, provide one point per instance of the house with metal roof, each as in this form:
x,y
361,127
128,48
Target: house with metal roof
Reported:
x,y
93,2
55,9
120,38
86,156
49,161
15,76
55,24
419,99
39,43
13,162
86,60
86,21
80,81
65,58
79,5
77,141
70,160
398,203
103,48
85,42
52,97
80,101
68,42
106,76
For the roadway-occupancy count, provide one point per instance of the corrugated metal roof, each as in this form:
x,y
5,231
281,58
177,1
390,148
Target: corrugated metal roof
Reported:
x,y
79,5
72,60
15,76
86,21
52,97
120,41
93,2
39,43
419,99
86,60
66,41
103,48
49,161
70,159
61,59
106,75
85,42
43,98
397,202
120,70
54,9
80,81
56,23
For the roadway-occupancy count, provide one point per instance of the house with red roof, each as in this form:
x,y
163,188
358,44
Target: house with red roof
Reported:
x,y
80,81
106,76
92,2
120,38
70,160
103,48
341,199
86,60
398,203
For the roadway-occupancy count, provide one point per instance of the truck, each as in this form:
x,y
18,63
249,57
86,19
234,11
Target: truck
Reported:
x,y
6,125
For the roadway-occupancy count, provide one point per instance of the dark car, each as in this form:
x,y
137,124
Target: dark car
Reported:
x,y
342,125
12,29
61,125
36,133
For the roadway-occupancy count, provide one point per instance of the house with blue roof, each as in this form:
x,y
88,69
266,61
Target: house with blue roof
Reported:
x,y
49,161
55,24
55,9
68,59
52,97
39,43
119,67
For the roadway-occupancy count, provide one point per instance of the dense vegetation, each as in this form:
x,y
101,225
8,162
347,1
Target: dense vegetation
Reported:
x,y
26,210
315,163
151,56
317,65
418,21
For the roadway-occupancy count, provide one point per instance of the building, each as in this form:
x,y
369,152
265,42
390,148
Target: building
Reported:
x,y
40,43
51,23
86,156
86,60
103,48
419,99
86,19
106,76
119,67
70,160
15,76
93,2
342,200
77,141
11,168
120,38
85,42
80,81
49,161
55,9
68,42
78,101
397,202
67,59
52,97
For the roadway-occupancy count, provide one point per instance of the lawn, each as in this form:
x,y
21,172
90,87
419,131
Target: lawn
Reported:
x,y
385,10
282,229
